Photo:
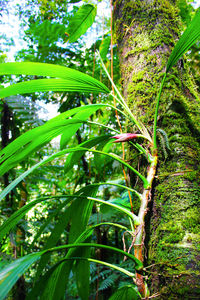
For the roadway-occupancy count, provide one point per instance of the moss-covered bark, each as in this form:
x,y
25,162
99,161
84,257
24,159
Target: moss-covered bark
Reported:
x,y
146,32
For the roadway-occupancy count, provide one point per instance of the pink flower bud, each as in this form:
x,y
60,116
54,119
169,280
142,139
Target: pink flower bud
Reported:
x,y
125,137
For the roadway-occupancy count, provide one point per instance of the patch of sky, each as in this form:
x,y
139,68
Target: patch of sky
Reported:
x,y
13,31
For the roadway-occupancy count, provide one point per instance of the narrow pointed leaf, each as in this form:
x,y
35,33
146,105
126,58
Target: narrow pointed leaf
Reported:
x,y
80,22
12,221
59,154
188,38
82,271
34,139
104,47
81,210
78,215
55,71
11,273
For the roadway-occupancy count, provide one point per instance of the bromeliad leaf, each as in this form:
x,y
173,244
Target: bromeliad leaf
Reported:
x,y
81,21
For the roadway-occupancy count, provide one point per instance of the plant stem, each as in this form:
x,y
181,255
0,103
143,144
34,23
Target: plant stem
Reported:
x,y
156,111
140,230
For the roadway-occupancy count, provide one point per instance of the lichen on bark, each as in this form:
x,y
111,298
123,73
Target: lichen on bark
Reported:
x,y
146,32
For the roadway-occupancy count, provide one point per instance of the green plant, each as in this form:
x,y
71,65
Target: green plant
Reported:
x,y
78,207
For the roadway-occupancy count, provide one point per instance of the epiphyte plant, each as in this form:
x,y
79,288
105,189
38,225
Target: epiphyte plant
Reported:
x,y
53,283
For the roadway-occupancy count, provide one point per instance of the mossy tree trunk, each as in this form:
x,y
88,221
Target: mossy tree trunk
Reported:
x,y
146,31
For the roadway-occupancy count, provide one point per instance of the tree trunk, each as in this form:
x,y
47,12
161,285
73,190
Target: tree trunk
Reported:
x,y
146,31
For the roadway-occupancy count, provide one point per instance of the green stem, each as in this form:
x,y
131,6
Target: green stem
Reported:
x,y
138,263
124,210
122,270
115,108
102,125
156,112
121,186
145,181
122,101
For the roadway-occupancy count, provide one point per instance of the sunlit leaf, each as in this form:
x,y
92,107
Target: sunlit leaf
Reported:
x,y
104,47
83,81
188,38
45,85
11,273
80,22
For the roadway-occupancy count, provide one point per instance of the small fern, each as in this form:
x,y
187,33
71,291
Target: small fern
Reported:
x,y
108,282
164,141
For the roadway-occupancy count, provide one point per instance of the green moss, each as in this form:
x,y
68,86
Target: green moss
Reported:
x,y
173,232
191,220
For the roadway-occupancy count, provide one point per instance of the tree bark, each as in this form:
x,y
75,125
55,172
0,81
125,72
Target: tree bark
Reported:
x,y
146,32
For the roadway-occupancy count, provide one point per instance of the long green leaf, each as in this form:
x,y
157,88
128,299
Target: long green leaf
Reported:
x,y
112,266
48,221
56,279
11,273
59,154
80,22
77,214
55,71
137,262
46,85
188,38
52,284
82,274
54,238
30,141
11,222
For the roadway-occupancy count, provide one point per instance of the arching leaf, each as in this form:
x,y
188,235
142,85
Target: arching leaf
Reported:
x,y
11,222
34,139
11,273
79,81
188,38
62,153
